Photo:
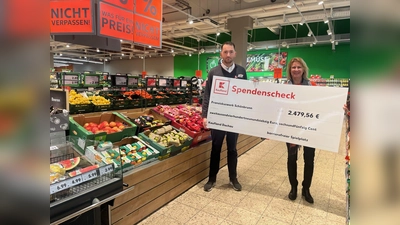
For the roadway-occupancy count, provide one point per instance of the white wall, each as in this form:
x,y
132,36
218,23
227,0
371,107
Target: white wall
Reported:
x,y
163,66
89,67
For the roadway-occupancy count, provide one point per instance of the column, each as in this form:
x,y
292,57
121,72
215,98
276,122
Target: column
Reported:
x,y
239,27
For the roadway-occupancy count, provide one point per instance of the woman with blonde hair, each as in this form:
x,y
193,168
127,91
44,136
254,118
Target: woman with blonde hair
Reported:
x,y
297,74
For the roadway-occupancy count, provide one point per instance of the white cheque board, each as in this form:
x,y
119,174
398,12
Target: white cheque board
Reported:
x,y
299,114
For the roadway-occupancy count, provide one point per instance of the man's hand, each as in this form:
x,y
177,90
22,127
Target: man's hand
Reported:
x,y
205,123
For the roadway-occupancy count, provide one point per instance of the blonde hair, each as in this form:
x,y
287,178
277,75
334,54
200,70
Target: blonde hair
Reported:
x,y
303,64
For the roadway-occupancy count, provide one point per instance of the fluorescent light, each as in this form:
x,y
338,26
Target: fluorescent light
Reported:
x,y
190,54
122,54
326,20
309,33
121,40
320,2
218,33
97,50
70,62
172,50
60,54
336,43
311,45
329,32
67,46
149,46
190,21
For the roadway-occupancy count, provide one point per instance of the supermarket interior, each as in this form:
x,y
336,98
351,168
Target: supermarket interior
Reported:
x,y
127,86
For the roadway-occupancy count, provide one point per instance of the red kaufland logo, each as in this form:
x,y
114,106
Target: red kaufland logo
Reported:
x,y
221,87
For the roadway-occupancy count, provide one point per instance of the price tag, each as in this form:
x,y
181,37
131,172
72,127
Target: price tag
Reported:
x,y
90,88
106,169
53,148
59,186
81,143
74,181
89,175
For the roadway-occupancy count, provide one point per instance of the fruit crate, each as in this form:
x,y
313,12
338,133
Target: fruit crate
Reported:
x,y
80,108
136,103
77,129
171,100
117,104
152,153
161,101
181,99
101,108
141,127
150,102
197,136
166,152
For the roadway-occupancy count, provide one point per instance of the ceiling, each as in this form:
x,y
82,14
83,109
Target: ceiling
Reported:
x,y
210,17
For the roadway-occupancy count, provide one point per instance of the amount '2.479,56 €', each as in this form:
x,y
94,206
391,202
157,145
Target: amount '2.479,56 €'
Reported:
x,y
303,114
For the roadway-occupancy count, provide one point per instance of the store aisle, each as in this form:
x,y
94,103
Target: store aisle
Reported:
x,y
263,200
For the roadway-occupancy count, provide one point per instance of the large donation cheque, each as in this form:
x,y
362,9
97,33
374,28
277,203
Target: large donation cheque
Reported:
x,y
304,115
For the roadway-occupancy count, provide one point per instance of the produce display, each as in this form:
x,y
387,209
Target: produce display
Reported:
x,y
75,98
99,100
187,116
148,121
58,171
105,126
167,136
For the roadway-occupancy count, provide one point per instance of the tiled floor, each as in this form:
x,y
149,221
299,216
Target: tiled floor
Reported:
x,y
263,200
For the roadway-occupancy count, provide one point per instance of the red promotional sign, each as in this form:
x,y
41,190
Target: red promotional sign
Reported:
x,y
149,8
71,16
147,31
278,73
115,22
126,4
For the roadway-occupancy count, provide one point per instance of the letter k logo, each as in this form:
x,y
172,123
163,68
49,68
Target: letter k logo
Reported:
x,y
221,84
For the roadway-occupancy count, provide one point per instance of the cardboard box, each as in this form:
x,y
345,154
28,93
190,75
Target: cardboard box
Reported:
x,y
80,135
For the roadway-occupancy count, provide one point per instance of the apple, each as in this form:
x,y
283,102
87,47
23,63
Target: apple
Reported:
x,y
119,124
113,124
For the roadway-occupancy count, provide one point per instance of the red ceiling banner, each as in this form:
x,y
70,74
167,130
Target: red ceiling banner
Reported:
x,y
115,22
147,31
149,8
71,17
126,4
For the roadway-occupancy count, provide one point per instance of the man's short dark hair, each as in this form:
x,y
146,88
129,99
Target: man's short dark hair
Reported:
x,y
228,43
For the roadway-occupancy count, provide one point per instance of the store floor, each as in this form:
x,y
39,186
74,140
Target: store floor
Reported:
x,y
263,200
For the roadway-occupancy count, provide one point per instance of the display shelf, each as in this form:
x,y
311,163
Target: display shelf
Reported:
x,y
73,188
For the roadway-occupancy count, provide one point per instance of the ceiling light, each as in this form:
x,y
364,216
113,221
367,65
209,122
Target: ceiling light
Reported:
x,y
314,42
190,21
121,40
320,2
332,41
336,43
60,54
190,54
149,46
161,55
97,50
311,45
67,46
326,20
309,33
290,4
329,32
122,54
172,50
106,59
302,22
173,54
218,33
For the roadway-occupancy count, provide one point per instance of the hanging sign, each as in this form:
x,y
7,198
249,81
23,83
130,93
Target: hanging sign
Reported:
x,y
115,22
126,4
71,17
147,31
278,73
149,8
